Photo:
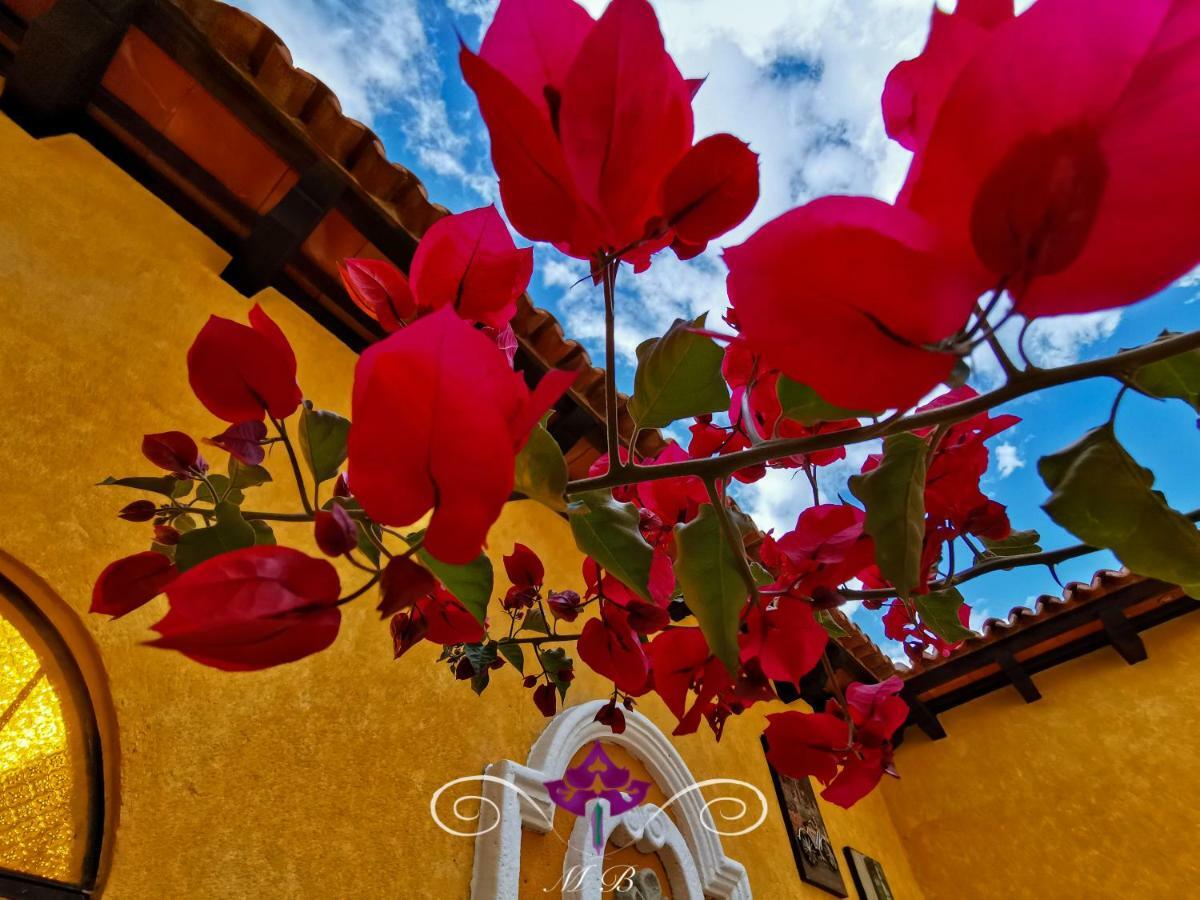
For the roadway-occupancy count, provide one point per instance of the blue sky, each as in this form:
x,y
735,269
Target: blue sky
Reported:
x,y
801,82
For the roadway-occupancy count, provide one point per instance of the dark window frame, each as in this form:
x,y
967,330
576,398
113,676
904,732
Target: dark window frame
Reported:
x,y
23,885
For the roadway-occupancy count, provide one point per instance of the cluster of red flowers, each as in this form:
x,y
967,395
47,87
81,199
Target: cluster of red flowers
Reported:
x,y
1073,199
843,309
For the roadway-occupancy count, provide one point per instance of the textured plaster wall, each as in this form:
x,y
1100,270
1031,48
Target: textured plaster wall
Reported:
x,y
312,779
1092,791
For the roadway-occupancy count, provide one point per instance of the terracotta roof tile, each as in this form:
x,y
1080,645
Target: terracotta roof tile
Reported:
x,y
259,53
1074,595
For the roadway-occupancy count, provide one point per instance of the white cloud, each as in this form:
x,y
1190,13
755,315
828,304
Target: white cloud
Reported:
x,y
1052,341
1190,282
776,500
376,56
1008,459
801,84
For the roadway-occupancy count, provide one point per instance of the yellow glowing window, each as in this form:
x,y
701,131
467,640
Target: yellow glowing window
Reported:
x,y
51,799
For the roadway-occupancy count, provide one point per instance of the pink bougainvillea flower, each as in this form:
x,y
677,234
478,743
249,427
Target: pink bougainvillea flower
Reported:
x,y
916,88
876,712
402,584
335,531
591,128
251,609
820,744
241,373
175,452
803,744
876,709
242,441
564,605
380,290
447,621
952,482
784,637
438,418
523,567
408,630
681,661
1081,197
132,582
466,261
545,698
673,500
611,647
918,638
827,547
806,301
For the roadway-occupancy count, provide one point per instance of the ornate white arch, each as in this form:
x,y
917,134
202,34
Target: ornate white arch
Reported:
x,y
650,830
497,867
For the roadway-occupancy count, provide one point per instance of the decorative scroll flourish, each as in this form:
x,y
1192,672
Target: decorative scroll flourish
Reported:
x,y
740,806
484,803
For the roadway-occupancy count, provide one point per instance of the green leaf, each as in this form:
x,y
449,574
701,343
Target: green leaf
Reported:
x,y
607,531
554,661
1103,497
894,496
263,533
1175,376
541,471
229,532
707,570
535,621
678,376
939,611
323,441
481,656
472,583
761,576
366,546
244,476
804,405
514,654
830,624
1016,544
154,484
225,491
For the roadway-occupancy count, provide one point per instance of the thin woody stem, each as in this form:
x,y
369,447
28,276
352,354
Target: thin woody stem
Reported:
x,y
362,590
1030,382
998,564
281,427
989,335
546,639
615,466
246,514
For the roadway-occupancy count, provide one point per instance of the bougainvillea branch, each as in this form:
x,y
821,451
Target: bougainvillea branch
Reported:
x,y
997,564
1028,382
851,320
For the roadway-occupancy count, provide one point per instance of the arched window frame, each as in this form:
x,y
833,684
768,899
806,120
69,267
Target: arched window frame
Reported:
x,y
17,585
497,868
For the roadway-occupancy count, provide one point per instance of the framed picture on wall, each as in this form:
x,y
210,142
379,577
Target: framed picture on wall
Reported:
x,y
816,860
868,876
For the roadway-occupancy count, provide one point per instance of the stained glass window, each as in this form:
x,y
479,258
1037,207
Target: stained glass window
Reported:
x,y
49,762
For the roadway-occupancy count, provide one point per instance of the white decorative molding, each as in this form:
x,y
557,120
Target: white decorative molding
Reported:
x,y
650,830
497,866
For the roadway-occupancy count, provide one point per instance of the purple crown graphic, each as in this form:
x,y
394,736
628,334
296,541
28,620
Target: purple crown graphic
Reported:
x,y
597,778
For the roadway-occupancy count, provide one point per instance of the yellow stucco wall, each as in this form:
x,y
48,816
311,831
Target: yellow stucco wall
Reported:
x,y
1092,791
308,780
